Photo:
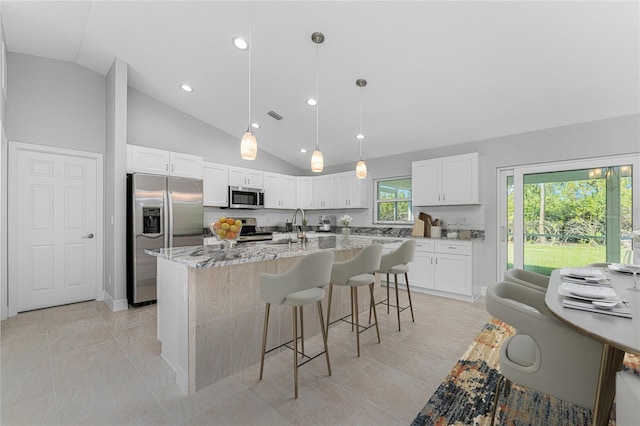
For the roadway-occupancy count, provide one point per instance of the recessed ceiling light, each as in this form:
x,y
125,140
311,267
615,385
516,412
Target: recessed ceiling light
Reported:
x,y
255,125
186,88
303,150
360,136
240,43
311,102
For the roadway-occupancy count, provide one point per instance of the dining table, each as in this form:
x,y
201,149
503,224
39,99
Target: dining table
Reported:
x,y
617,334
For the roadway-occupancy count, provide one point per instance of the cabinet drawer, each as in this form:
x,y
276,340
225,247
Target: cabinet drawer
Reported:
x,y
425,245
454,247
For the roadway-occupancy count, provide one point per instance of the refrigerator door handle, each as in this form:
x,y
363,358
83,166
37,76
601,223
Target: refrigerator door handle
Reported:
x,y
170,215
165,220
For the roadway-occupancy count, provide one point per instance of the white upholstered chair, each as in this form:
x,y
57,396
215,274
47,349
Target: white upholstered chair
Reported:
x,y
302,285
354,273
627,399
527,278
544,355
397,262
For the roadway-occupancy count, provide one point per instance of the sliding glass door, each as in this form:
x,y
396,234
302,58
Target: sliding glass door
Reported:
x,y
568,214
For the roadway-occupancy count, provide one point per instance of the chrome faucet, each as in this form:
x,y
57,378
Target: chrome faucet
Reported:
x,y
304,221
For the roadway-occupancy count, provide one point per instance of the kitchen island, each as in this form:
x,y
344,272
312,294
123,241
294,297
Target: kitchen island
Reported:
x,y
210,315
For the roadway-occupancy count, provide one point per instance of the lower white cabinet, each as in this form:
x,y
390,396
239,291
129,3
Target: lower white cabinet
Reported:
x,y
441,267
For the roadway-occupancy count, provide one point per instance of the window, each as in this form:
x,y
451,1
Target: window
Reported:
x,y
393,200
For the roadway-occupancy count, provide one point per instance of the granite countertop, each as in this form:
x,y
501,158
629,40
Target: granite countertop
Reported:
x,y
213,256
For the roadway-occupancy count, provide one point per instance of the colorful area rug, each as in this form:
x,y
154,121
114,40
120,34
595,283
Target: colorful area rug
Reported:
x,y
466,395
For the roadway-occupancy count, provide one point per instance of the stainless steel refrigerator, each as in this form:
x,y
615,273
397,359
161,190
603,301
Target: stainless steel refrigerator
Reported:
x,y
162,212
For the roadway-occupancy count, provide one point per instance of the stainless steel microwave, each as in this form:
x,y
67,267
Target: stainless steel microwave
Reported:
x,y
245,198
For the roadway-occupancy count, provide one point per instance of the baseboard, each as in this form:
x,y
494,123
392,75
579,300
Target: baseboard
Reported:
x,y
483,291
115,305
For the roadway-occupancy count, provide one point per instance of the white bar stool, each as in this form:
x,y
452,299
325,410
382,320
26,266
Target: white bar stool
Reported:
x,y
397,262
355,273
302,285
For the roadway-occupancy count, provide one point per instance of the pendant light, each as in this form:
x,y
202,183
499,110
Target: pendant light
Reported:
x,y
317,162
249,144
361,166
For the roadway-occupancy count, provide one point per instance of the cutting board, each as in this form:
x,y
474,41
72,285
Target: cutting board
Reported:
x,y
426,219
418,228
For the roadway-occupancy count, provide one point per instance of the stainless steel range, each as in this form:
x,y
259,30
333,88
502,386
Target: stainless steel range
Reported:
x,y
248,232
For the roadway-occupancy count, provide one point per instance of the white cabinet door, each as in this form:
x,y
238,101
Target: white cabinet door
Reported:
x,y
460,179
446,181
357,192
421,270
288,192
425,182
248,178
280,191
323,192
215,185
272,198
341,194
148,160
185,165
305,192
452,273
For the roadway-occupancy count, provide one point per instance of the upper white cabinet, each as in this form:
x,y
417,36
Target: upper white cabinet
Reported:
x,y
239,176
280,191
323,187
305,192
156,161
451,180
350,191
215,185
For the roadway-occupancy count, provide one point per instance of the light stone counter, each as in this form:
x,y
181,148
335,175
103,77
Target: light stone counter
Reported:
x,y
210,315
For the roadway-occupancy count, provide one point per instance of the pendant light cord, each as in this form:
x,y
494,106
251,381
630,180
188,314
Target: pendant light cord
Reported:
x,y
250,54
317,100
360,122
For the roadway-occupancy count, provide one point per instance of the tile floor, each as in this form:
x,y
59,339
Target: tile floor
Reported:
x,y
82,364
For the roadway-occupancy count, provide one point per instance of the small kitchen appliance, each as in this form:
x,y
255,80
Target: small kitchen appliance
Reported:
x,y
325,222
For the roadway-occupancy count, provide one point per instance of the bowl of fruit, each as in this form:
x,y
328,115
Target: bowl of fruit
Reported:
x,y
226,229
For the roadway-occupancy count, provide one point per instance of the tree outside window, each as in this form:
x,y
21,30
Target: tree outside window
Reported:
x,y
394,200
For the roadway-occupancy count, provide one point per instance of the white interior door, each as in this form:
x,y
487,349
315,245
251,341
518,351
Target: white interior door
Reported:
x,y
56,201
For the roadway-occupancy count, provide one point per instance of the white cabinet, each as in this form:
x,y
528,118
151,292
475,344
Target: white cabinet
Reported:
x,y
305,192
451,180
239,176
323,187
453,267
215,185
440,267
280,191
350,191
159,162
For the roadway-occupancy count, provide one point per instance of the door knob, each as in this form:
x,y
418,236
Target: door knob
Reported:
x,y
89,236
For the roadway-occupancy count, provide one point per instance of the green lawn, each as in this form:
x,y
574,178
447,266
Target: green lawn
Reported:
x,y
545,258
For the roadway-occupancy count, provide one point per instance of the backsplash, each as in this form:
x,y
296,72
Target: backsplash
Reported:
x,y
470,217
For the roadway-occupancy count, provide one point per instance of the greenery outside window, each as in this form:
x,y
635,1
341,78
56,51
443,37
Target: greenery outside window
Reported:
x,y
393,202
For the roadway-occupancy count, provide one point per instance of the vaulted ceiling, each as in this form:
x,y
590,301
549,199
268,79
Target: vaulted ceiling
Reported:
x,y
438,73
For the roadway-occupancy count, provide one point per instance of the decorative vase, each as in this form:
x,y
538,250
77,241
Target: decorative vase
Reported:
x,y
346,231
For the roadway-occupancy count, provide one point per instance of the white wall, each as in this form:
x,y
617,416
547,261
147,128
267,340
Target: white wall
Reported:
x,y
4,153
620,135
55,103
157,125
115,277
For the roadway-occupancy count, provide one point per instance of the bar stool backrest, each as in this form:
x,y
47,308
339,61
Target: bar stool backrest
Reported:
x,y
400,256
365,262
313,270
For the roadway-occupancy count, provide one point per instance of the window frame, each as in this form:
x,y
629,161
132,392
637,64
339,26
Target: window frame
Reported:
x,y
376,201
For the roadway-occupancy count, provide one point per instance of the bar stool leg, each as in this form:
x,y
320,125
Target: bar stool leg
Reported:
x,y
324,336
329,310
352,310
264,337
375,314
406,280
387,293
302,327
295,349
395,278
355,314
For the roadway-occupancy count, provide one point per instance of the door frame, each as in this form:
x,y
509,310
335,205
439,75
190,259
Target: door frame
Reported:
x,y
585,163
14,149
502,226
